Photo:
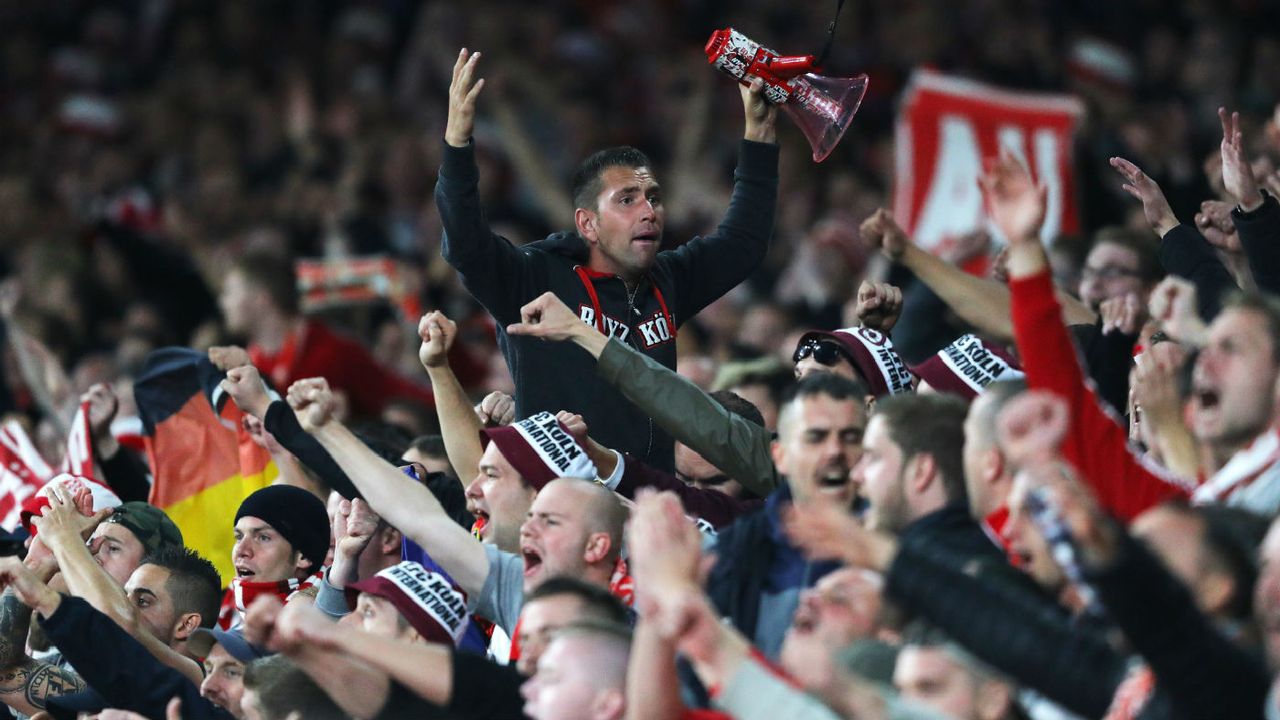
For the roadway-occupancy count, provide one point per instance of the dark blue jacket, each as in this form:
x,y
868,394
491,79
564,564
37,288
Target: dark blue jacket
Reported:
x,y
756,560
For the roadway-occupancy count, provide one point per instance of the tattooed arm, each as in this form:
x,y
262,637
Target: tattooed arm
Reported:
x,y
26,683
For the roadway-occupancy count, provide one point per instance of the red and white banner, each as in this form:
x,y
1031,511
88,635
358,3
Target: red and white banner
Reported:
x,y
948,125
22,472
79,457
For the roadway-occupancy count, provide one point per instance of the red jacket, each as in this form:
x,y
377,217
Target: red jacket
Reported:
x,y
317,351
1096,444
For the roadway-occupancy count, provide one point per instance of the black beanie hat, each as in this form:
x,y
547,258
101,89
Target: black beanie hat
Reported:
x,y
296,514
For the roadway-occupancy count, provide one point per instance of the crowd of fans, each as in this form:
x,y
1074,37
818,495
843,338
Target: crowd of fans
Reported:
x,y
570,429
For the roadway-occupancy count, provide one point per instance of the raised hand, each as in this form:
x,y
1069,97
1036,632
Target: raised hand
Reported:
x,y
1015,202
301,624
359,526
225,357
244,385
547,317
881,231
313,402
103,405
262,437
761,117
1154,204
1237,174
1032,427
437,333
827,532
69,516
672,558
1173,306
1124,314
1214,222
463,91
260,620
878,305
1155,383
576,425
271,624
33,593
496,409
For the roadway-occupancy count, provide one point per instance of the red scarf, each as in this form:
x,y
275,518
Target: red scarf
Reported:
x,y
621,586
243,592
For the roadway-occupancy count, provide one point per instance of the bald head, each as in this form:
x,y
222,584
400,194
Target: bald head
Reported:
x,y
574,528
602,511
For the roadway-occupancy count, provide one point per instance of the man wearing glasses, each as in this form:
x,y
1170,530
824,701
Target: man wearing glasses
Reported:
x,y
858,353
1119,263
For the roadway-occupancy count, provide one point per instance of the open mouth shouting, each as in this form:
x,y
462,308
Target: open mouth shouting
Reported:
x,y
532,561
1206,401
482,525
834,479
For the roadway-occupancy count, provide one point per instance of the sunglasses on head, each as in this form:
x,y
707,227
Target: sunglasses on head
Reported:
x,y
824,352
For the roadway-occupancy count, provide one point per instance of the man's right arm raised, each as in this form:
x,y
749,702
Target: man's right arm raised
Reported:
x,y
492,269
403,502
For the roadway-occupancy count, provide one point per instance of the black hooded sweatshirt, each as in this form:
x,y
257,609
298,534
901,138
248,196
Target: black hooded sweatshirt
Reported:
x,y
559,376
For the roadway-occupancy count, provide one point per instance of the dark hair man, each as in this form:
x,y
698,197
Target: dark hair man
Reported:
x,y
608,267
282,538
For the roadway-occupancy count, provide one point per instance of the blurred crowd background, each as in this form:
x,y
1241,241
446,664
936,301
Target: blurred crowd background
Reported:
x,y
146,144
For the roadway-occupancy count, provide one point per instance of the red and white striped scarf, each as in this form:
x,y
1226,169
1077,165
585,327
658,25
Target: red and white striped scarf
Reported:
x,y
1260,459
243,592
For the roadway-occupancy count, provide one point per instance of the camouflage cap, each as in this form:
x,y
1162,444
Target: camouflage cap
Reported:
x,y
149,524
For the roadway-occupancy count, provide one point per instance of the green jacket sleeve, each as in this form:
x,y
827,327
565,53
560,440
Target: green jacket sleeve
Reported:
x,y
738,447
755,693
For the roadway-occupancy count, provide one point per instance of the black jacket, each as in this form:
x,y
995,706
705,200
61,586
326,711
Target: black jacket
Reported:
x,y
1260,237
119,667
1012,628
481,689
554,376
1186,253
1204,674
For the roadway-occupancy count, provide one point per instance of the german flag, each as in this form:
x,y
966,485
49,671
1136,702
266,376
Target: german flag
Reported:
x,y
202,460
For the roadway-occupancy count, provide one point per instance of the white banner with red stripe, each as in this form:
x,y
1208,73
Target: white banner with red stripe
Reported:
x,y
947,126
24,472
79,457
